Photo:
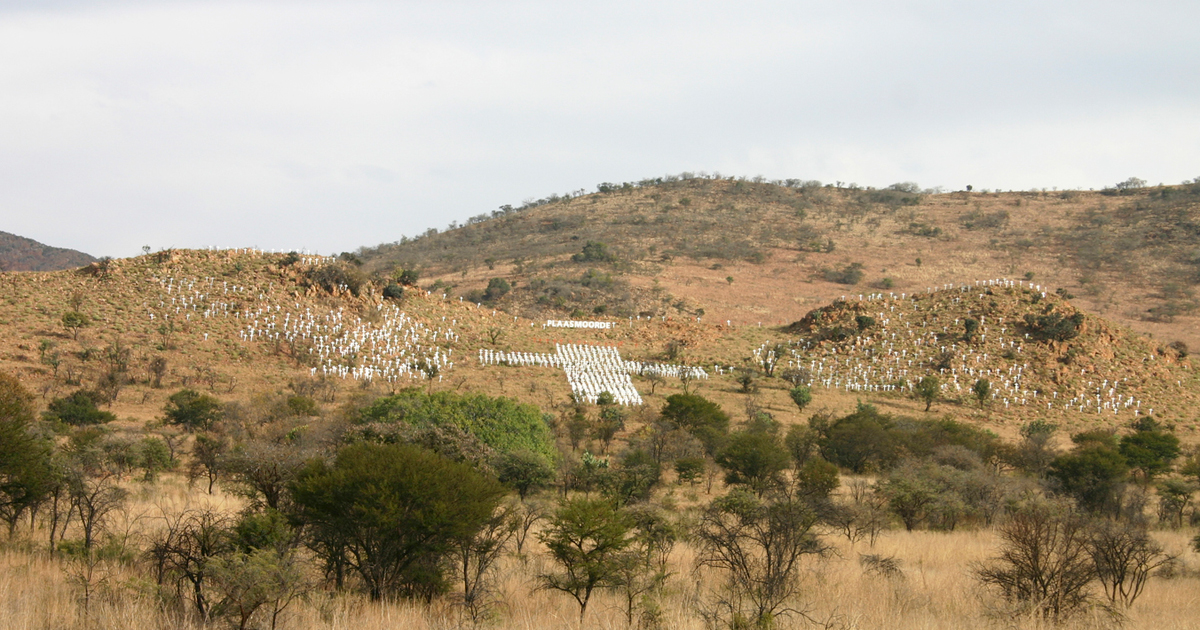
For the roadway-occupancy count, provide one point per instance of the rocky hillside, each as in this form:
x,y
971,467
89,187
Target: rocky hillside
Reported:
x,y
18,253
752,251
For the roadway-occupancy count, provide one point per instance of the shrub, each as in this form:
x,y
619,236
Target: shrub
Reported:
x,y
393,291
333,276
26,472
755,459
1150,450
594,251
78,409
690,469
501,423
496,289
928,389
759,546
1092,475
192,410
1053,326
800,395
850,274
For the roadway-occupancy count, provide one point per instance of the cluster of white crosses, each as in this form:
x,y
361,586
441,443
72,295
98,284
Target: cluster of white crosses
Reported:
x,y
391,346
205,298
900,348
572,323
593,370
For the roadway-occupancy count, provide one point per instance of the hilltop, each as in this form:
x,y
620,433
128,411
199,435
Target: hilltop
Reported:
x,y
752,251
18,253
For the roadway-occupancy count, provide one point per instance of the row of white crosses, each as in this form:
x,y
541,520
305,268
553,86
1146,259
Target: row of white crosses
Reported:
x,y
391,347
896,352
592,370
572,323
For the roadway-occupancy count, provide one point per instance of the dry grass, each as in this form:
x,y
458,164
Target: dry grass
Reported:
x,y
935,591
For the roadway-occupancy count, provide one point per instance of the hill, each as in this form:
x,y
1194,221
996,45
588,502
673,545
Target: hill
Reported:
x,y
752,251
247,326
18,253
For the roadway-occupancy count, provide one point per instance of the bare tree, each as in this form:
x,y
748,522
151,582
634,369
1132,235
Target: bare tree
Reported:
x,y
1124,555
1044,563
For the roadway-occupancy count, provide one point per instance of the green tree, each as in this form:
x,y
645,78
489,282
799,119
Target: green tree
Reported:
x,y
690,469
501,423
192,410
754,459
1092,475
982,390
928,389
801,395
1150,450
587,539
26,473
970,327
524,471
74,321
396,507
699,416
78,409
594,251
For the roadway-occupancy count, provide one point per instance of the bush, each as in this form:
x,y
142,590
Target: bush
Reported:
x,y
496,289
26,472
1053,326
501,423
800,395
690,469
594,251
587,538
393,291
78,409
850,274
333,276
192,410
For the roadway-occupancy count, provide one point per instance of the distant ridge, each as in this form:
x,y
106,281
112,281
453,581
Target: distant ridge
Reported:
x,y
18,253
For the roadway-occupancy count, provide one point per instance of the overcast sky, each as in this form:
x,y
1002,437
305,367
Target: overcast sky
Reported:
x,y
332,125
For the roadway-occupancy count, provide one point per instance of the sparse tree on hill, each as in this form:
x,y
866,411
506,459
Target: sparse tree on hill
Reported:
x,y
928,389
801,395
982,390
74,321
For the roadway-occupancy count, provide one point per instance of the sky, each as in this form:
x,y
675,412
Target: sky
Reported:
x,y
331,125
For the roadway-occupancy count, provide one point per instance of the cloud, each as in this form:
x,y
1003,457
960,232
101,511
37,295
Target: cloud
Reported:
x,y
331,125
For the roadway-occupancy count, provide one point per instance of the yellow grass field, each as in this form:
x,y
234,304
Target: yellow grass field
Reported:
x,y
936,592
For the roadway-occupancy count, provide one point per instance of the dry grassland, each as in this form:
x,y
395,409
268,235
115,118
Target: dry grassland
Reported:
x,y
936,590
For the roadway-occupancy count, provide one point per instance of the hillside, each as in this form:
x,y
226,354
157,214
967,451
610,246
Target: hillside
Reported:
x,y
244,325
18,253
752,251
